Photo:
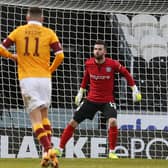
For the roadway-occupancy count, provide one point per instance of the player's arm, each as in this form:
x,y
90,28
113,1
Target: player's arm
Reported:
x,y
58,51
135,92
3,49
7,43
59,57
82,89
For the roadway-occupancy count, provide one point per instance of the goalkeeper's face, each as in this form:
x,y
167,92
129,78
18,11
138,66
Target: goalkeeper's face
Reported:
x,y
99,51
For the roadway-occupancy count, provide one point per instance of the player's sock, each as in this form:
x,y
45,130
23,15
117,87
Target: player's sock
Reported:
x,y
112,137
66,135
42,136
47,127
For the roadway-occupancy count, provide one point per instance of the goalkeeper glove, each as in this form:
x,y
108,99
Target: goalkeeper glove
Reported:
x,y
79,96
136,94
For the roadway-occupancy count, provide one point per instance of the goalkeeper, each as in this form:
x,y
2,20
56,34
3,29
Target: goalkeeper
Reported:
x,y
99,72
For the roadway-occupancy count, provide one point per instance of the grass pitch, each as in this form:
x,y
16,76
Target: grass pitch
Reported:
x,y
87,163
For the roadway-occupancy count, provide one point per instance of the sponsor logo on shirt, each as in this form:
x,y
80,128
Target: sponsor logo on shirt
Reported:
x,y
99,77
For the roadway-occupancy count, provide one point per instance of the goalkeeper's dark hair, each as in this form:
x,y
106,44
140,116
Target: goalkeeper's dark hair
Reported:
x,y
35,12
101,42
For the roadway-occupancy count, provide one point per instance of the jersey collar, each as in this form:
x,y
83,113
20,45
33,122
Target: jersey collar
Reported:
x,y
35,22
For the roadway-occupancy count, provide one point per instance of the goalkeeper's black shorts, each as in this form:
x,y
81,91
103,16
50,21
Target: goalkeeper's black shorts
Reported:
x,y
88,109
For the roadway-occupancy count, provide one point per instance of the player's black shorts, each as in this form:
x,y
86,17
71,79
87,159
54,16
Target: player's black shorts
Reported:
x,y
88,109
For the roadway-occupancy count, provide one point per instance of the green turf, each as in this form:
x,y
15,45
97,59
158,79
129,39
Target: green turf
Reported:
x,y
87,163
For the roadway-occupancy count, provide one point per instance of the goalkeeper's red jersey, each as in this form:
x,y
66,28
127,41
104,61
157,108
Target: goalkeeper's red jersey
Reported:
x,y
101,79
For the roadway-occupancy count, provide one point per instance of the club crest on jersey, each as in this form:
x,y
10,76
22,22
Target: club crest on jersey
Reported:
x,y
108,69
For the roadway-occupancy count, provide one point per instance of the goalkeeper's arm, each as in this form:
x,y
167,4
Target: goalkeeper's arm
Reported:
x,y
82,89
59,57
136,94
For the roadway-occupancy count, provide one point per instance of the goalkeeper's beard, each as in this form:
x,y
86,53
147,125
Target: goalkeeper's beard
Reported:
x,y
99,57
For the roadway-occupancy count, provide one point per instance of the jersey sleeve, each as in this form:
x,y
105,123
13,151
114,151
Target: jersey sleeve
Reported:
x,y
7,43
85,79
10,39
12,36
54,37
122,69
55,43
58,51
